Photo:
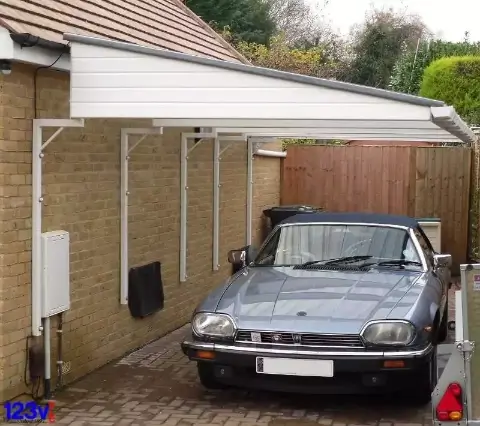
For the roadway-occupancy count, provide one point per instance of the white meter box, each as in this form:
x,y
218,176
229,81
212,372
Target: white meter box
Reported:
x,y
55,273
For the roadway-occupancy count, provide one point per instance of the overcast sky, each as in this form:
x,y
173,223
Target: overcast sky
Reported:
x,y
448,19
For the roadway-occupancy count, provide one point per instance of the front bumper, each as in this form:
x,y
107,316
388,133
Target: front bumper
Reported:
x,y
354,371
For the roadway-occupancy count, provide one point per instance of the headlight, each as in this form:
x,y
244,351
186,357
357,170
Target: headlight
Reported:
x,y
215,325
389,333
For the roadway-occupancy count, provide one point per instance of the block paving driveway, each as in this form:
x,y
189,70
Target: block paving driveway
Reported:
x,y
157,385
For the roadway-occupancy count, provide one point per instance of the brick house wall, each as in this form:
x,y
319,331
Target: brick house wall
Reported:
x,y
81,178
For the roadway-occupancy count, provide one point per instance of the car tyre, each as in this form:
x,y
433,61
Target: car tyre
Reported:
x,y
428,379
207,376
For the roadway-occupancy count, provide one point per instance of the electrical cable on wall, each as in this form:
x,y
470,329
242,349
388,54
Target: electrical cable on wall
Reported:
x,y
35,80
35,382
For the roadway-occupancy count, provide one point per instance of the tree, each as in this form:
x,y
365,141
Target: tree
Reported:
x,y
379,42
299,24
246,20
456,81
408,71
313,61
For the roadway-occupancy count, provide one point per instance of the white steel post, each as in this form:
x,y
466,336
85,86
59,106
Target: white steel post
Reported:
x,y
36,229
249,190
183,208
216,203
124,217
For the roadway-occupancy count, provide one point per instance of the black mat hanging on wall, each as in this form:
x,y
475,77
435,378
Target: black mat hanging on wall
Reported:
x,y
145,290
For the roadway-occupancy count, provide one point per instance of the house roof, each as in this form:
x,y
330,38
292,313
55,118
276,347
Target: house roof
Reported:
x,y
166,24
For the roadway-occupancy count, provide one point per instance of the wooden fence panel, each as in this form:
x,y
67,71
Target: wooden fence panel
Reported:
x,y
342,178
443,191
414,181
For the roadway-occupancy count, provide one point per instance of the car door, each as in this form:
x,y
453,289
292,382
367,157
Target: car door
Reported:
x,y
442,275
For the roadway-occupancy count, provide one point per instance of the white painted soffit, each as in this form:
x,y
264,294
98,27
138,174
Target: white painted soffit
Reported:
x,y
112,79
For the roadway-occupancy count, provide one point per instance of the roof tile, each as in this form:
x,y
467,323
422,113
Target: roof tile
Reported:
x,y
167,24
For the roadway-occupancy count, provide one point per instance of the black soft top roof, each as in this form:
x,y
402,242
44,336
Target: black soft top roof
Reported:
x,y
381,219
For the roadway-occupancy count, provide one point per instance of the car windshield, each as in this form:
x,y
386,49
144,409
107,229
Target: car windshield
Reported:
x,y
301,243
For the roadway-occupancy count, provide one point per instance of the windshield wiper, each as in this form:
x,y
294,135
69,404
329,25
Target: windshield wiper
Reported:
x,y
395,262
345,259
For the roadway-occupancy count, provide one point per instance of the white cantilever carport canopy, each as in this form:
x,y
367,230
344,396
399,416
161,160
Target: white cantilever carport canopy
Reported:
x,y
111,79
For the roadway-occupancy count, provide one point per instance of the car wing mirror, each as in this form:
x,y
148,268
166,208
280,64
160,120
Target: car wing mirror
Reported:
x,y
242,256
442,260
237,257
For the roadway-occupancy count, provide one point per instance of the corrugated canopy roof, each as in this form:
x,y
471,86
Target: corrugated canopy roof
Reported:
x,y
166,24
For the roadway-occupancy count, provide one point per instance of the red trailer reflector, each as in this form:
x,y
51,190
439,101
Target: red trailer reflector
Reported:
x,y
450,407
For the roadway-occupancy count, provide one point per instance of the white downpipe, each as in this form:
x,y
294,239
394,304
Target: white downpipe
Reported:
x,y
249,190
125,150
268,153
47,350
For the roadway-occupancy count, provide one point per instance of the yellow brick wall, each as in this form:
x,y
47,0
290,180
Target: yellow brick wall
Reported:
x,y
81,181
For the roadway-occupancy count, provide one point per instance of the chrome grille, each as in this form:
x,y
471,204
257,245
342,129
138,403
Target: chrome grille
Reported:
x,y
303,339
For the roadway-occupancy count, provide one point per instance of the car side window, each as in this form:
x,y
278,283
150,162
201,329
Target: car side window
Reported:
x,y
426,245
268,253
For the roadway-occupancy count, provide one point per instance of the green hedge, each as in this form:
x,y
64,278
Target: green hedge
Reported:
x,y
456,81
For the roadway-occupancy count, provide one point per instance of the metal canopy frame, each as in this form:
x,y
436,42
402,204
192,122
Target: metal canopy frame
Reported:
x,y
270,104
125,150
217,152
99,63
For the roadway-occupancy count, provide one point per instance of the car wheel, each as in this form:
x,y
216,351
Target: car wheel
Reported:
x,y
443,329
207,377
428,379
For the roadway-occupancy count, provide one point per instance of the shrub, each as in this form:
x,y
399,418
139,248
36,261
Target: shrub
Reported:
x,y
456,81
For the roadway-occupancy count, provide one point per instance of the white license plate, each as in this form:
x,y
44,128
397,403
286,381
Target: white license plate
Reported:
x,y
295,367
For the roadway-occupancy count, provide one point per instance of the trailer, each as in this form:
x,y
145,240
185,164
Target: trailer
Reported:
x,y
456,398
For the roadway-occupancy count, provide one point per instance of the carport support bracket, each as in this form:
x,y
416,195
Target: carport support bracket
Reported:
x,y
38,146
125,151
184,151
217,156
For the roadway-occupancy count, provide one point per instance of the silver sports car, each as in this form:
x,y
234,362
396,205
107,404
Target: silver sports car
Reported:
x,y
332,302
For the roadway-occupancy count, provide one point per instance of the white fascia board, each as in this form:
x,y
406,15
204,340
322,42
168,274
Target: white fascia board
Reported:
x,y
40,56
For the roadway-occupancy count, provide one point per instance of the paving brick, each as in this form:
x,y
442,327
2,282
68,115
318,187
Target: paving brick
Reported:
x,y
173,396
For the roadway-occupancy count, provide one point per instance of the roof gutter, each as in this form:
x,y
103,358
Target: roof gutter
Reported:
x,y
29,40
29,49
